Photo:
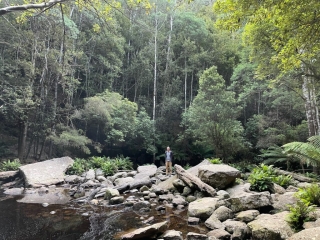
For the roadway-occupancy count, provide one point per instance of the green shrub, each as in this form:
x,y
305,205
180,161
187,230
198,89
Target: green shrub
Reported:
x,y
261,178
123,163
187,166
215,161
79,166
109,168
282,180
310,194
312,175
299,214
10,165
97,162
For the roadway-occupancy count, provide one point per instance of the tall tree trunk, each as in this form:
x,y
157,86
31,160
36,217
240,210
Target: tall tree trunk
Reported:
x,y
185,83
22,140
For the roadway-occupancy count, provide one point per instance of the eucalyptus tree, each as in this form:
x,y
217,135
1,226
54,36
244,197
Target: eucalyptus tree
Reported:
x,y
282,34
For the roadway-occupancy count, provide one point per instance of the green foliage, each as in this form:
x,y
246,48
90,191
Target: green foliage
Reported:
x,y
122,163
243,166
299,214
215,161
187,166
212,118
261,178
308,152
310,194
10,165
107,165
282,180
79,166
312,175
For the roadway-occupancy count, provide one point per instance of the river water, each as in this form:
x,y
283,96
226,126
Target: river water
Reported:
x,y
31,221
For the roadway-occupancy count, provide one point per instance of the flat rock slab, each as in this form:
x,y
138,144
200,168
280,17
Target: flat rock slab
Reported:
x,y
311,233
53,196
147,232
48,172
8,174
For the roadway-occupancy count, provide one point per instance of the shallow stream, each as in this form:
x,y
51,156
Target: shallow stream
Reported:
x,y
31,221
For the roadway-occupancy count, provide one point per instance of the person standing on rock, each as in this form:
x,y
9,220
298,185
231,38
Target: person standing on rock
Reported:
x,y
169,157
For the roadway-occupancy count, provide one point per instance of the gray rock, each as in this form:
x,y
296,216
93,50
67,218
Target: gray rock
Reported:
x,y
307,234
267,226
90,175
14,191
99,173
303,185
139,182
107,183
223,213
179,184
172,235
219,234
196,236
116,200
157,190
219,176
101,178
152,195
139,205
278,189
47,172
223,194
193,220
54,196
191,198
186,191
292,189
284,201
247,216
166,197
73,179
179,200
147,170
239,230
110,193
146,232
214,223
241,198
8,174
132,173
202,208
90,183
144,188
118,175
122,181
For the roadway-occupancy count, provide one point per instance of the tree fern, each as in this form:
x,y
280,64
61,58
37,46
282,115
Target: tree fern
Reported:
x,y
308,152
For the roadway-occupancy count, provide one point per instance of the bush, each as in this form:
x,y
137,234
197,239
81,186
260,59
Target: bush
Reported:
x,y
215,161
97,162
261,178
310,195
299,214
282,180
79,166
10,165
123,163
109,168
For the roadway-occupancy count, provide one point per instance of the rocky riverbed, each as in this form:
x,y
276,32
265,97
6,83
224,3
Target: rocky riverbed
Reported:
x,y
204,202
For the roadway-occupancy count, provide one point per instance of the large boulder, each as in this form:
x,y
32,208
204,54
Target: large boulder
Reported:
x,y
147,232
122,181
311,233
271,227
239,230
147,170
168,184
241,198
48,172
8,174
284,201
218,176
202,208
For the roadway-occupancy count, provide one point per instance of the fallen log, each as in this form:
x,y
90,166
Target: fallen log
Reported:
x,y
295,176
192,180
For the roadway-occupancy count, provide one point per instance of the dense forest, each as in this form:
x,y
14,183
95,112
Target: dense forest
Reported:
x,y
225,79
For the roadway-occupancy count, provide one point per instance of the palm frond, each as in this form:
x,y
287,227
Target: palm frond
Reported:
x,y
306,152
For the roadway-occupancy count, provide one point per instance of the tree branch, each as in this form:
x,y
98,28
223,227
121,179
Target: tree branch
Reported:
x,y
25,7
